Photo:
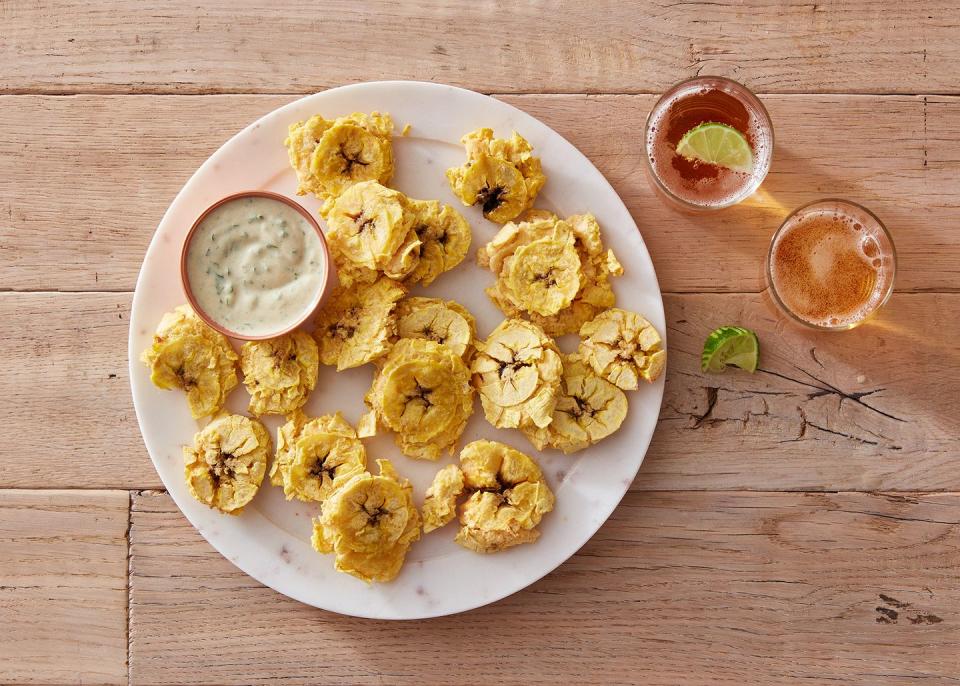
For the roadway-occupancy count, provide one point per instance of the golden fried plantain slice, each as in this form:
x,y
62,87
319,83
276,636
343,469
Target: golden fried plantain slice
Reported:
x,y
380,566
226,464
543,276
179,322
369,523
368,224
444,239
422,392
374,230
537,215
588,410
325,455
623,348
512,235
516,149
189,355
286,439
440,503
357,324
596,293
331,155
406,258
188,363
501,175
316,477
596,265
279,373
349,154
369,514
301,142
442,321
508,500
517,372
494,184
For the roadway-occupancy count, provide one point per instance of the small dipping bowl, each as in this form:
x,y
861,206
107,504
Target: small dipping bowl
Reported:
x,y
323,267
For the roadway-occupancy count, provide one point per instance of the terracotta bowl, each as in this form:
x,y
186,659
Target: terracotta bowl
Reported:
x,y
319,297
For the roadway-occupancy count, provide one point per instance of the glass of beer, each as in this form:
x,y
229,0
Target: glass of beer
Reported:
x,y
709,143
831,265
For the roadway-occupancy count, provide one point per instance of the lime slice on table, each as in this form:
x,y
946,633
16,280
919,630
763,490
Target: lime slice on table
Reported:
x,y
730,346
717,144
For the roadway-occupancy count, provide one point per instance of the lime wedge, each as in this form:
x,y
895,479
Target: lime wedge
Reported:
x,y
717,144
730,346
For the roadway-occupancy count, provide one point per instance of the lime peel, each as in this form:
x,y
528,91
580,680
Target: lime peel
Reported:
x,y
718,144
730,346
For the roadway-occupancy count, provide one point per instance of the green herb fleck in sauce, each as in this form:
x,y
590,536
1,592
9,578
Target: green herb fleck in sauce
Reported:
x,y
246,269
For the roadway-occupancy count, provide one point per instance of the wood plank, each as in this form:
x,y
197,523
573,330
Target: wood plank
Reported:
x,y
63,587
869,409
68,418
898,155
693,588
890,424
135,154
609,46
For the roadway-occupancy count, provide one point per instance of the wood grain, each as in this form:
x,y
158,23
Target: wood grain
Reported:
x,y
870,409
63,587
902,165
692,588
703,575
896,155
609,46
68,419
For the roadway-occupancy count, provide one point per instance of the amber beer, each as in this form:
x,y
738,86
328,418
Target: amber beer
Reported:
x,y
696,185
831,264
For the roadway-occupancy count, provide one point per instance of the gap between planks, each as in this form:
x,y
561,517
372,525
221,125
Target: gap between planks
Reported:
x,y
677,491
750,578
68,291
913,197
13,92
132,493
130,496
714,432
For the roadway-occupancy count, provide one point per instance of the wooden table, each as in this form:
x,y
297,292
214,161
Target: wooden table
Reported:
x,y
801,523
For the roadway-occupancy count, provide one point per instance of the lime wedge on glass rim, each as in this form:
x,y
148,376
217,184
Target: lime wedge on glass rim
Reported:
x,y
730,346
717,144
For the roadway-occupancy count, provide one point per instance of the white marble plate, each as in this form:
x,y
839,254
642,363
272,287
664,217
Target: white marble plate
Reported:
x,y
270,541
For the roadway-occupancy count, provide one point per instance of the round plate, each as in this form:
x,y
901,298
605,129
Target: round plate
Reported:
x,y
270,541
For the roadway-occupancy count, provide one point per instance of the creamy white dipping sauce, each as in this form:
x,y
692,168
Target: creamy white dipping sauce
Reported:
x,y
256,266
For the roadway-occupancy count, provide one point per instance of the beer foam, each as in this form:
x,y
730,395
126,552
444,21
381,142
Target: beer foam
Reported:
x,y
828,268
